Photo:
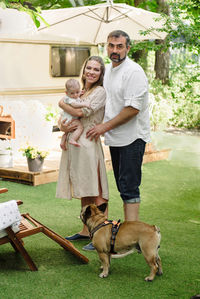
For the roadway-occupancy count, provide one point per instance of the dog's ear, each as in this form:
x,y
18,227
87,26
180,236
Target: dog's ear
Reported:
x,y
87,212
102,207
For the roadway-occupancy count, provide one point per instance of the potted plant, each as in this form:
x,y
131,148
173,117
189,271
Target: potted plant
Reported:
x,y
35,157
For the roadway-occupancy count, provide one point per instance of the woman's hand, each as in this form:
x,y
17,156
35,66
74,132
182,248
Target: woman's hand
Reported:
x,y
68,127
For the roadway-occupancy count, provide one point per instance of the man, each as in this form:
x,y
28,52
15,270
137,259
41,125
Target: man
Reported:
x,y
126,124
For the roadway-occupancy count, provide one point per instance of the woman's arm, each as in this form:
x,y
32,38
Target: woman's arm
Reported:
x,y
80,105
69,109
96,99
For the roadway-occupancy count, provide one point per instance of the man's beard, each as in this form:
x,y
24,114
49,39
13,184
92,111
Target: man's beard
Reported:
x,y
117,59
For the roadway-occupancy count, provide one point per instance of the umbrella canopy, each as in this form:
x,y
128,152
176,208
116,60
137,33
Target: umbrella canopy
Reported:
x,y
92,24
18,26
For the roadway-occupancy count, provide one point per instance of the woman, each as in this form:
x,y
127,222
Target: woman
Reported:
x,y
82,171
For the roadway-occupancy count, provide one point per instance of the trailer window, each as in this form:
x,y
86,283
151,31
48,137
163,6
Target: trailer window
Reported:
x,y
67,61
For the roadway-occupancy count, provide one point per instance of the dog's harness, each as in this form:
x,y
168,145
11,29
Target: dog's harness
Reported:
x,y
114,231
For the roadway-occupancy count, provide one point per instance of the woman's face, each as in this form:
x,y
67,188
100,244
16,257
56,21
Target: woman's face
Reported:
x,y
92,72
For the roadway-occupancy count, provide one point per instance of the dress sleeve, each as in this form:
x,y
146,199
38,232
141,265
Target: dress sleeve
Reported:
x,y
97,100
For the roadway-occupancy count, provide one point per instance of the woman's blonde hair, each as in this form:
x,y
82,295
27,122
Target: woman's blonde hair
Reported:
x,y
102,67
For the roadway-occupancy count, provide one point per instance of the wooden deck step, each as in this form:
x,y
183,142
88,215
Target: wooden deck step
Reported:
x,y
22,175
150,155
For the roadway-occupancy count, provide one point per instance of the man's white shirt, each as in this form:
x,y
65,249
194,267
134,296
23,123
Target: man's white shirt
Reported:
x,y
127,85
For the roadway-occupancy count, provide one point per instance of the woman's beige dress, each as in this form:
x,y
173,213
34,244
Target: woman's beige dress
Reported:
x,y
78,173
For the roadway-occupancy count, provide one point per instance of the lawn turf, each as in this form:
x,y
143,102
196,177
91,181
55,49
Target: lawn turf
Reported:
x,y
170,199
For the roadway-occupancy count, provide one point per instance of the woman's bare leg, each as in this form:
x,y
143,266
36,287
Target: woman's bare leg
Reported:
x,y
84,202
97,201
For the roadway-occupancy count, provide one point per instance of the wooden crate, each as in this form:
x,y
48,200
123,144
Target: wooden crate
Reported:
x,y
7,127
22,175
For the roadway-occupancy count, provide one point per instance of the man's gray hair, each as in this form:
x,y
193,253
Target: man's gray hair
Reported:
x,y
118,33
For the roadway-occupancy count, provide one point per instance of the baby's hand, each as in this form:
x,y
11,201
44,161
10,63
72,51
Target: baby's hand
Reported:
x,y
87,105
82,93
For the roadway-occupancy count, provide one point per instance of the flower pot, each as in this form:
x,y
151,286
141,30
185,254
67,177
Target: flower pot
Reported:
x,y
6,158
35,165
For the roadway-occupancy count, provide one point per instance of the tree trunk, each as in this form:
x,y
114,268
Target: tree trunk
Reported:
x,y
140,56
137,2
162,58
162,64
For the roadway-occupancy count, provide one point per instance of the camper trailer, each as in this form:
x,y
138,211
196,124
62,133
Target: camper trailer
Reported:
x,y
35,66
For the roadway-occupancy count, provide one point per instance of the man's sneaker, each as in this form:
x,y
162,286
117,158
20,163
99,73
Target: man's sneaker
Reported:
x,y
89,247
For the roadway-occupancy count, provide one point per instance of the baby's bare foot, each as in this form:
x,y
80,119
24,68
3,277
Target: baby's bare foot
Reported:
x,y
74,143
63,147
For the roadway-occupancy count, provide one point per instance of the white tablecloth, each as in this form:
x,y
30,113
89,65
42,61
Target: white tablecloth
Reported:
x,y
9,216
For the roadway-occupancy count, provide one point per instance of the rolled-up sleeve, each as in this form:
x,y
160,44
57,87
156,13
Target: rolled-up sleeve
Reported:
x,y
97,101
135,88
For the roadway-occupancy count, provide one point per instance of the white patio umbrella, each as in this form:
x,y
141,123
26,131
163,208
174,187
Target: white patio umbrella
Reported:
x,y
92,24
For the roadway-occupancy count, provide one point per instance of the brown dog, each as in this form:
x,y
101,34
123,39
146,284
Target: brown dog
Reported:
x,y
130,234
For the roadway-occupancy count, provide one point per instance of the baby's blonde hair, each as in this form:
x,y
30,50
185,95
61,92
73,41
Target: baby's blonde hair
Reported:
x,y
72,83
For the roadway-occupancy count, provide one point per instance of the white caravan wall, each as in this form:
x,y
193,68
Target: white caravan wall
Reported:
x,y
25,73
26,66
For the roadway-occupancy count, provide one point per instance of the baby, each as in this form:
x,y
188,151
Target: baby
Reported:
x,y
72,97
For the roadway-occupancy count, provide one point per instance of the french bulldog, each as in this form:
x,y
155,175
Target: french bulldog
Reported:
x,y
129,235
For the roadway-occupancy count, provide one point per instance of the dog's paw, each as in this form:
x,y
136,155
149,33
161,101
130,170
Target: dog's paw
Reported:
x,y
103,275
148,278
159,273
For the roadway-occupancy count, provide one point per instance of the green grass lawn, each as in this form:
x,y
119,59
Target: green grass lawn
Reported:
x,y
170,199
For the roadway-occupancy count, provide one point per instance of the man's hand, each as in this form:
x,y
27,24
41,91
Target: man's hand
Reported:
x,y
96,132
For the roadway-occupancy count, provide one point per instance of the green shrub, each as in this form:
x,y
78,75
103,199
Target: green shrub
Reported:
x,y
176,104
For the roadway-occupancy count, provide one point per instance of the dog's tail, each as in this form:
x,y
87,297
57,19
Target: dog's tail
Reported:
x,y
157,229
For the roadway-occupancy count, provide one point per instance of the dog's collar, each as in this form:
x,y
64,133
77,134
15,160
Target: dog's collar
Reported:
x,y
115,228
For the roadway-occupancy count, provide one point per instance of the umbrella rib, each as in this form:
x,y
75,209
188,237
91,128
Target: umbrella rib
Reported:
x,y
106,12
125,16
63,20
67,19
136,22
121,16
154,29
98,17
